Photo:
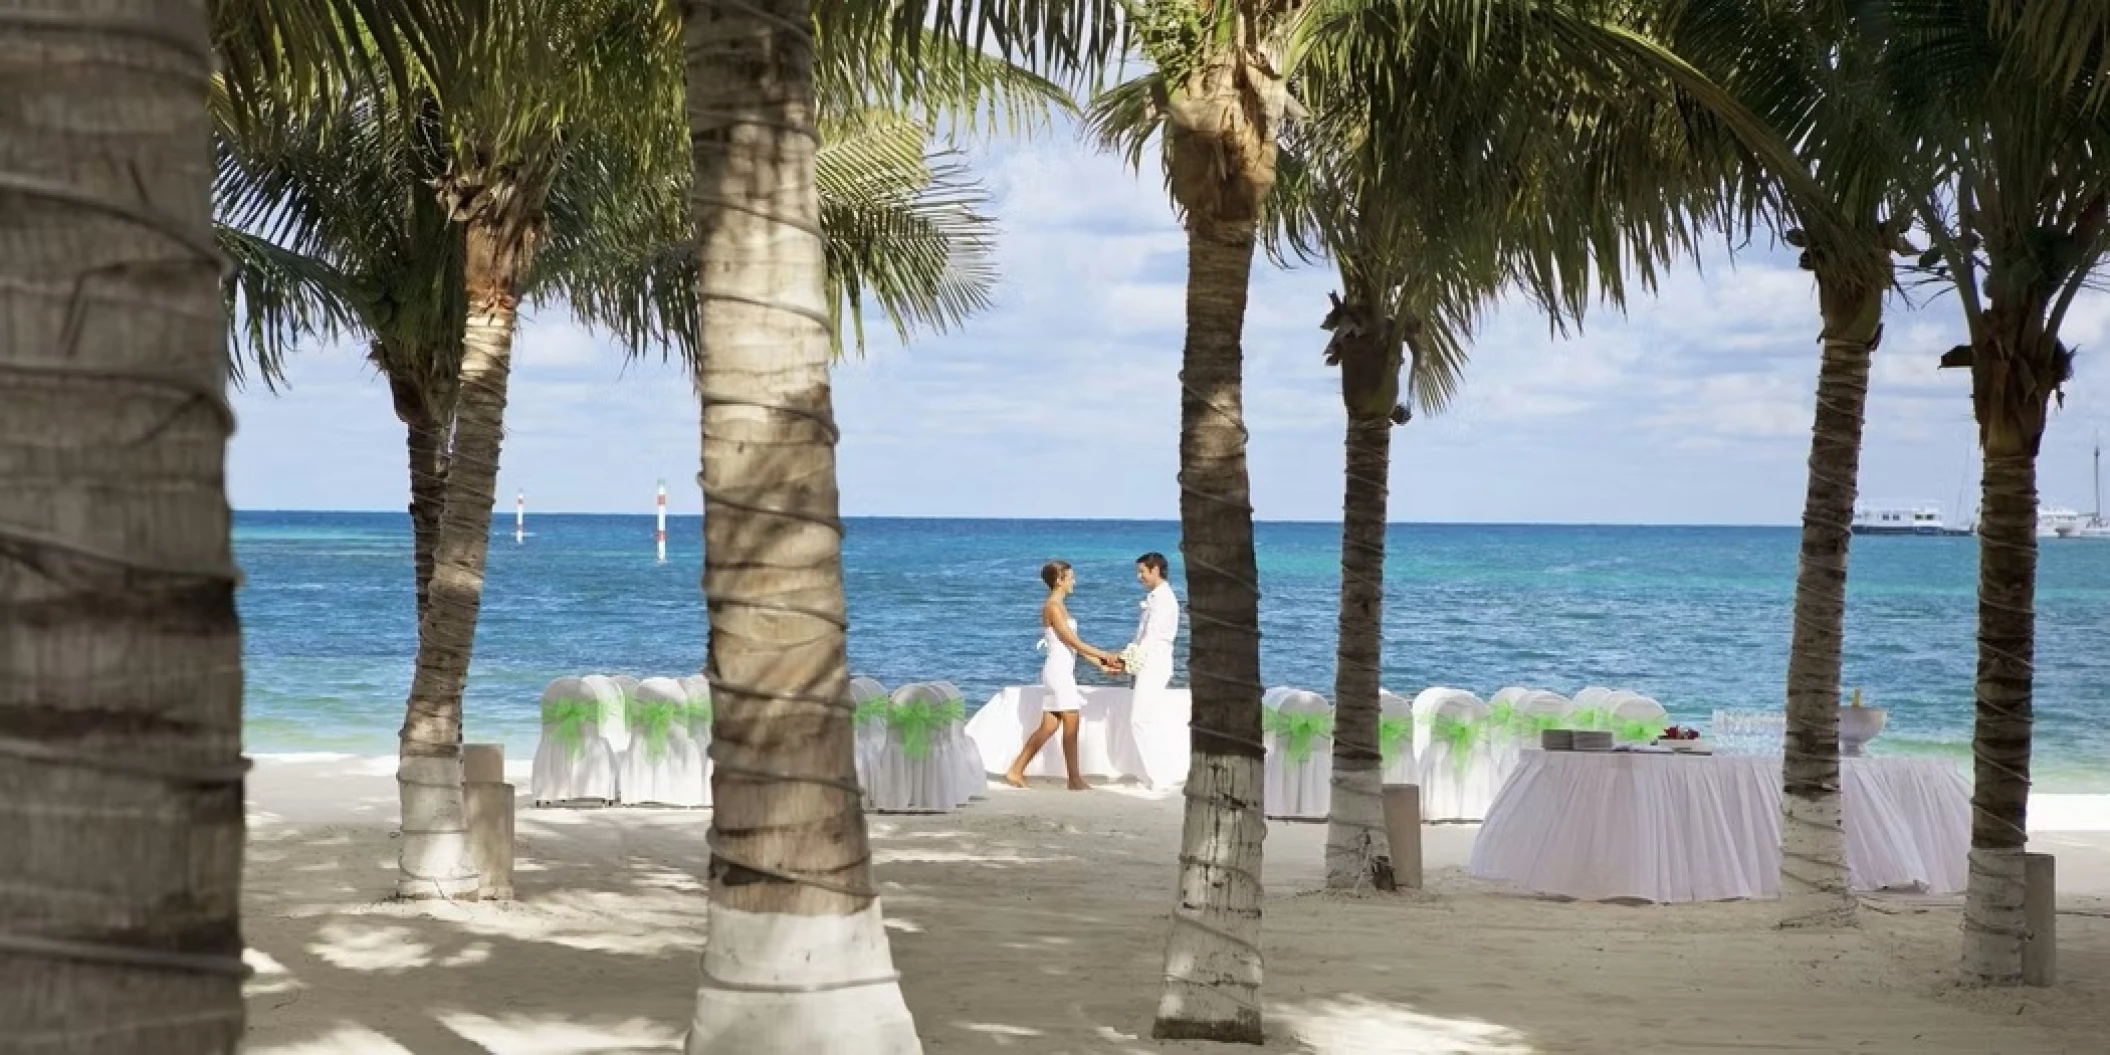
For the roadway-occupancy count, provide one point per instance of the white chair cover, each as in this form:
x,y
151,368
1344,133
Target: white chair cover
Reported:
x,y
573,762
1505,734
1636,718
1395,737
1591,708
1453,755
870,698
974,781
697,688
1272,698
614,700
917,770
1531,714
1299,768
662,765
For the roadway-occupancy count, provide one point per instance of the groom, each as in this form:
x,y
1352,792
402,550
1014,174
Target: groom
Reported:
x,y
1160,625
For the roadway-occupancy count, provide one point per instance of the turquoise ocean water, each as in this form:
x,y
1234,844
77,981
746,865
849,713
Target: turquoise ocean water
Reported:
x,y
1697,617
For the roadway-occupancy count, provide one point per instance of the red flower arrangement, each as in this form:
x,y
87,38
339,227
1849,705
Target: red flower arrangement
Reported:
x,y
1678,732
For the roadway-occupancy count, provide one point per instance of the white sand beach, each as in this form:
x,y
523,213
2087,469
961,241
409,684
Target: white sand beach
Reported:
x,y
1034,922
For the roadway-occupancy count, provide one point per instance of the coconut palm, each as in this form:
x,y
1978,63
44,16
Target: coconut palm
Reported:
x,y
1574,187
1402,291
328,258
1218,90
798,958
1812,71
317,255
2016,95
1217,97
120,726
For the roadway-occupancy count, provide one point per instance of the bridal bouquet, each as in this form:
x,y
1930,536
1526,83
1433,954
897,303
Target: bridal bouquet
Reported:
x,y
1132,658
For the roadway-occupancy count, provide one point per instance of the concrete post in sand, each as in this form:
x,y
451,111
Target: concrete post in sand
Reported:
x,y
2040,915
489,803
483,763
1403,831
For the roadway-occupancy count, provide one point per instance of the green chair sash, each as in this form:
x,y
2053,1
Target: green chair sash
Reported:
x,y
1502,715
1300,729
564,721
1393,734
1641,731
872,710
652,723
697,714
917,722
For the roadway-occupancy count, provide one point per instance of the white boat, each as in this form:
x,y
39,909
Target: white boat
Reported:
x,y
2058,521
2093,526
1902,520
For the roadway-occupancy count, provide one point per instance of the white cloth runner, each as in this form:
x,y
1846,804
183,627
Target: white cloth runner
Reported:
x,y
1676,828
1112,742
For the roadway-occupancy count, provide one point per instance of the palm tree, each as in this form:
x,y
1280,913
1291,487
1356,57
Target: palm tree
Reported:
x,y
120,727
1401,290
900,217
1434,176
1218,93
317,255
1812,70
2017,95
798,958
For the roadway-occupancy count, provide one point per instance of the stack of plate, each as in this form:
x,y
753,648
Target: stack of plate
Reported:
x,y
1593,740
1557,739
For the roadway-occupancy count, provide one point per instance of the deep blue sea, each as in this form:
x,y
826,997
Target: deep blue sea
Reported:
x,y
1697,617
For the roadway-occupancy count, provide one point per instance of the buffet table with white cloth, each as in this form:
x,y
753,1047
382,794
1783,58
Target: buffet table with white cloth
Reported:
x,y
1113,741
1668,827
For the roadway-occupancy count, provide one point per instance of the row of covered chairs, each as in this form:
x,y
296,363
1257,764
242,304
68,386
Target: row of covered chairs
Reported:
x,y
913,754
1457,747
609,739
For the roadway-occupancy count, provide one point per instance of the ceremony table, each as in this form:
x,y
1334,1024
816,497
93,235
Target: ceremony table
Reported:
x,y
1668,827
1113,742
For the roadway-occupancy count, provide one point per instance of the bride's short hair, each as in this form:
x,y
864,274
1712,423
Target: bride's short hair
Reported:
x,y
1051,572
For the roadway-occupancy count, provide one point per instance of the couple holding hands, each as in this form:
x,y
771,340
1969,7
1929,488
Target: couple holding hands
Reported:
x,y
1148,658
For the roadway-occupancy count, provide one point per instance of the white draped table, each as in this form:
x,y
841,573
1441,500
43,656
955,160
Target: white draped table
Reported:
x,y
1707,828
1113,741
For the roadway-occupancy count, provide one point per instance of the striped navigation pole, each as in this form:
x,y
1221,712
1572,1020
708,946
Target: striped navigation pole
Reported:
x,y
520,518
662,521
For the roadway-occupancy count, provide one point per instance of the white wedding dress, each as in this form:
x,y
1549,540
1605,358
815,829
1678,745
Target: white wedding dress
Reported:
x,y
1058,673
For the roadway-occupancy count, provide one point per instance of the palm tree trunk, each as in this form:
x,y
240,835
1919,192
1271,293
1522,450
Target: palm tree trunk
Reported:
x,y
435,854
1366,346
121,825
798,960
426,431
2012,381
1212,960
1814,877
1355,822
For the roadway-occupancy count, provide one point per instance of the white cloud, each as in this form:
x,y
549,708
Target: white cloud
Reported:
x,y
1064,401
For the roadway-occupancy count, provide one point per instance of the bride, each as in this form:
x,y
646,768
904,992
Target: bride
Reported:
x,y
1058,674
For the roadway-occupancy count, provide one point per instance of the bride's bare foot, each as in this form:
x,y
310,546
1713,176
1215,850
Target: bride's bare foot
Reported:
x,y
1079,785
1016,780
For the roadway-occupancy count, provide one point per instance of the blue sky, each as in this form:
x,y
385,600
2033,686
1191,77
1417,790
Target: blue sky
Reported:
x,y
1063,400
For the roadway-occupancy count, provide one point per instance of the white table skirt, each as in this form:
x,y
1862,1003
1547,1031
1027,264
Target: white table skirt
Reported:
x,y
1676,828
1113,743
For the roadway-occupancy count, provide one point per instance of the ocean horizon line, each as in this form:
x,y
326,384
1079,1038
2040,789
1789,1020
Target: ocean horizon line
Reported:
x,y
1153,521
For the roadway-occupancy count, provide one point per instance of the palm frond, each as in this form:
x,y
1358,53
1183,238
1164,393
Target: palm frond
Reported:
x,y
905,226
1072,41
281,298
